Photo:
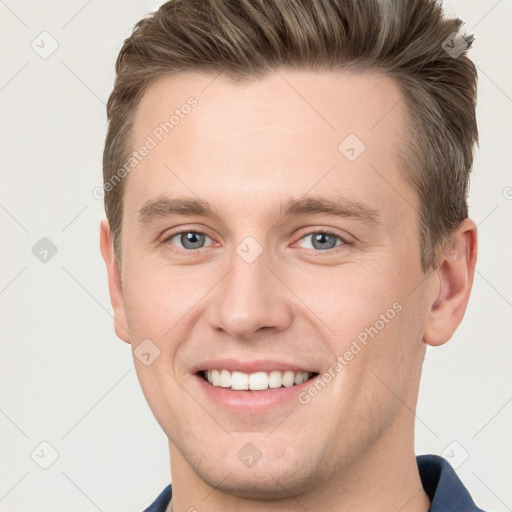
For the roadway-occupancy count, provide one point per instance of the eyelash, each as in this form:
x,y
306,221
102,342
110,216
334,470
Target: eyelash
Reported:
x,y
323,231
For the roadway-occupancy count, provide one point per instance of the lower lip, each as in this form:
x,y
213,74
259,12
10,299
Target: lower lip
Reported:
x,y
252,401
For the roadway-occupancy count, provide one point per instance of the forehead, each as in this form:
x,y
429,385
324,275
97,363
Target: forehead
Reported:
x,y
330,103
264,138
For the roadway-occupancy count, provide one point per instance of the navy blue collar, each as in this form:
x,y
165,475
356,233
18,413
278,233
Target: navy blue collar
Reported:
x,y
444,488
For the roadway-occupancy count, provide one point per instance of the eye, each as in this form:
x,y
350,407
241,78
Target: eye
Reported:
x,y
188,239
323,240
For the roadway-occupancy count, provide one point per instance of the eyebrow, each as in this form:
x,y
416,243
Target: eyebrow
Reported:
x,y
163,207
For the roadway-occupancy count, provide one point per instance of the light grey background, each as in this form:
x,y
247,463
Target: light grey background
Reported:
x,y
65,379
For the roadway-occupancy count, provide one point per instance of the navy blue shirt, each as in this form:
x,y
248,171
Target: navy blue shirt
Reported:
x,y
444,488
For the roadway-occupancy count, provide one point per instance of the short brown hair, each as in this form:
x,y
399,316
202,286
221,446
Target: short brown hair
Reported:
x,y
410,41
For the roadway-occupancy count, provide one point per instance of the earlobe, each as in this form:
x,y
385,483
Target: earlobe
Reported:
x,y
114,282
456,273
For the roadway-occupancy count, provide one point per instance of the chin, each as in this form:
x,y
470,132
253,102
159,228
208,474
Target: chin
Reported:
x,y
280,480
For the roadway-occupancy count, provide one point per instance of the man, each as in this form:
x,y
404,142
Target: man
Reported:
x,y
285,187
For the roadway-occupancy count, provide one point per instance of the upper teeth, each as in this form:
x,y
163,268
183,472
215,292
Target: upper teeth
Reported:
x,y
255,381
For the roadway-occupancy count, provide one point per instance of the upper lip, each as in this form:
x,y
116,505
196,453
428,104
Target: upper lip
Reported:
x,y
235,365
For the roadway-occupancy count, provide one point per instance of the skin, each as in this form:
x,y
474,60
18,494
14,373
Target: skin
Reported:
x,y
247,147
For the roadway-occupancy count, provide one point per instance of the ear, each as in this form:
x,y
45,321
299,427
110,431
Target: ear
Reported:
x,y
114,282
456,271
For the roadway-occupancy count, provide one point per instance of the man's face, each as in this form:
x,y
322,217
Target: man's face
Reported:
x,y
274,286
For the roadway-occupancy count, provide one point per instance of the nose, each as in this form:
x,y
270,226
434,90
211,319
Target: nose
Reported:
x,y
250,299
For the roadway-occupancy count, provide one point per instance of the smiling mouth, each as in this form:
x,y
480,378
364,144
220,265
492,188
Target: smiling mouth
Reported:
x,y
258,381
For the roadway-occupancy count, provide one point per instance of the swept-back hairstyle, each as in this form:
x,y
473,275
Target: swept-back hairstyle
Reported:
x,y
411,41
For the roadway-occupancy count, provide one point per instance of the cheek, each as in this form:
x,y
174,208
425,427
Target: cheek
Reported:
x,y
157,298
392,355
354,303
158,305
374,323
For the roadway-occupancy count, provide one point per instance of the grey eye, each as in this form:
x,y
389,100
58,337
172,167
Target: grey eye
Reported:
x,y
322,240
190,239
